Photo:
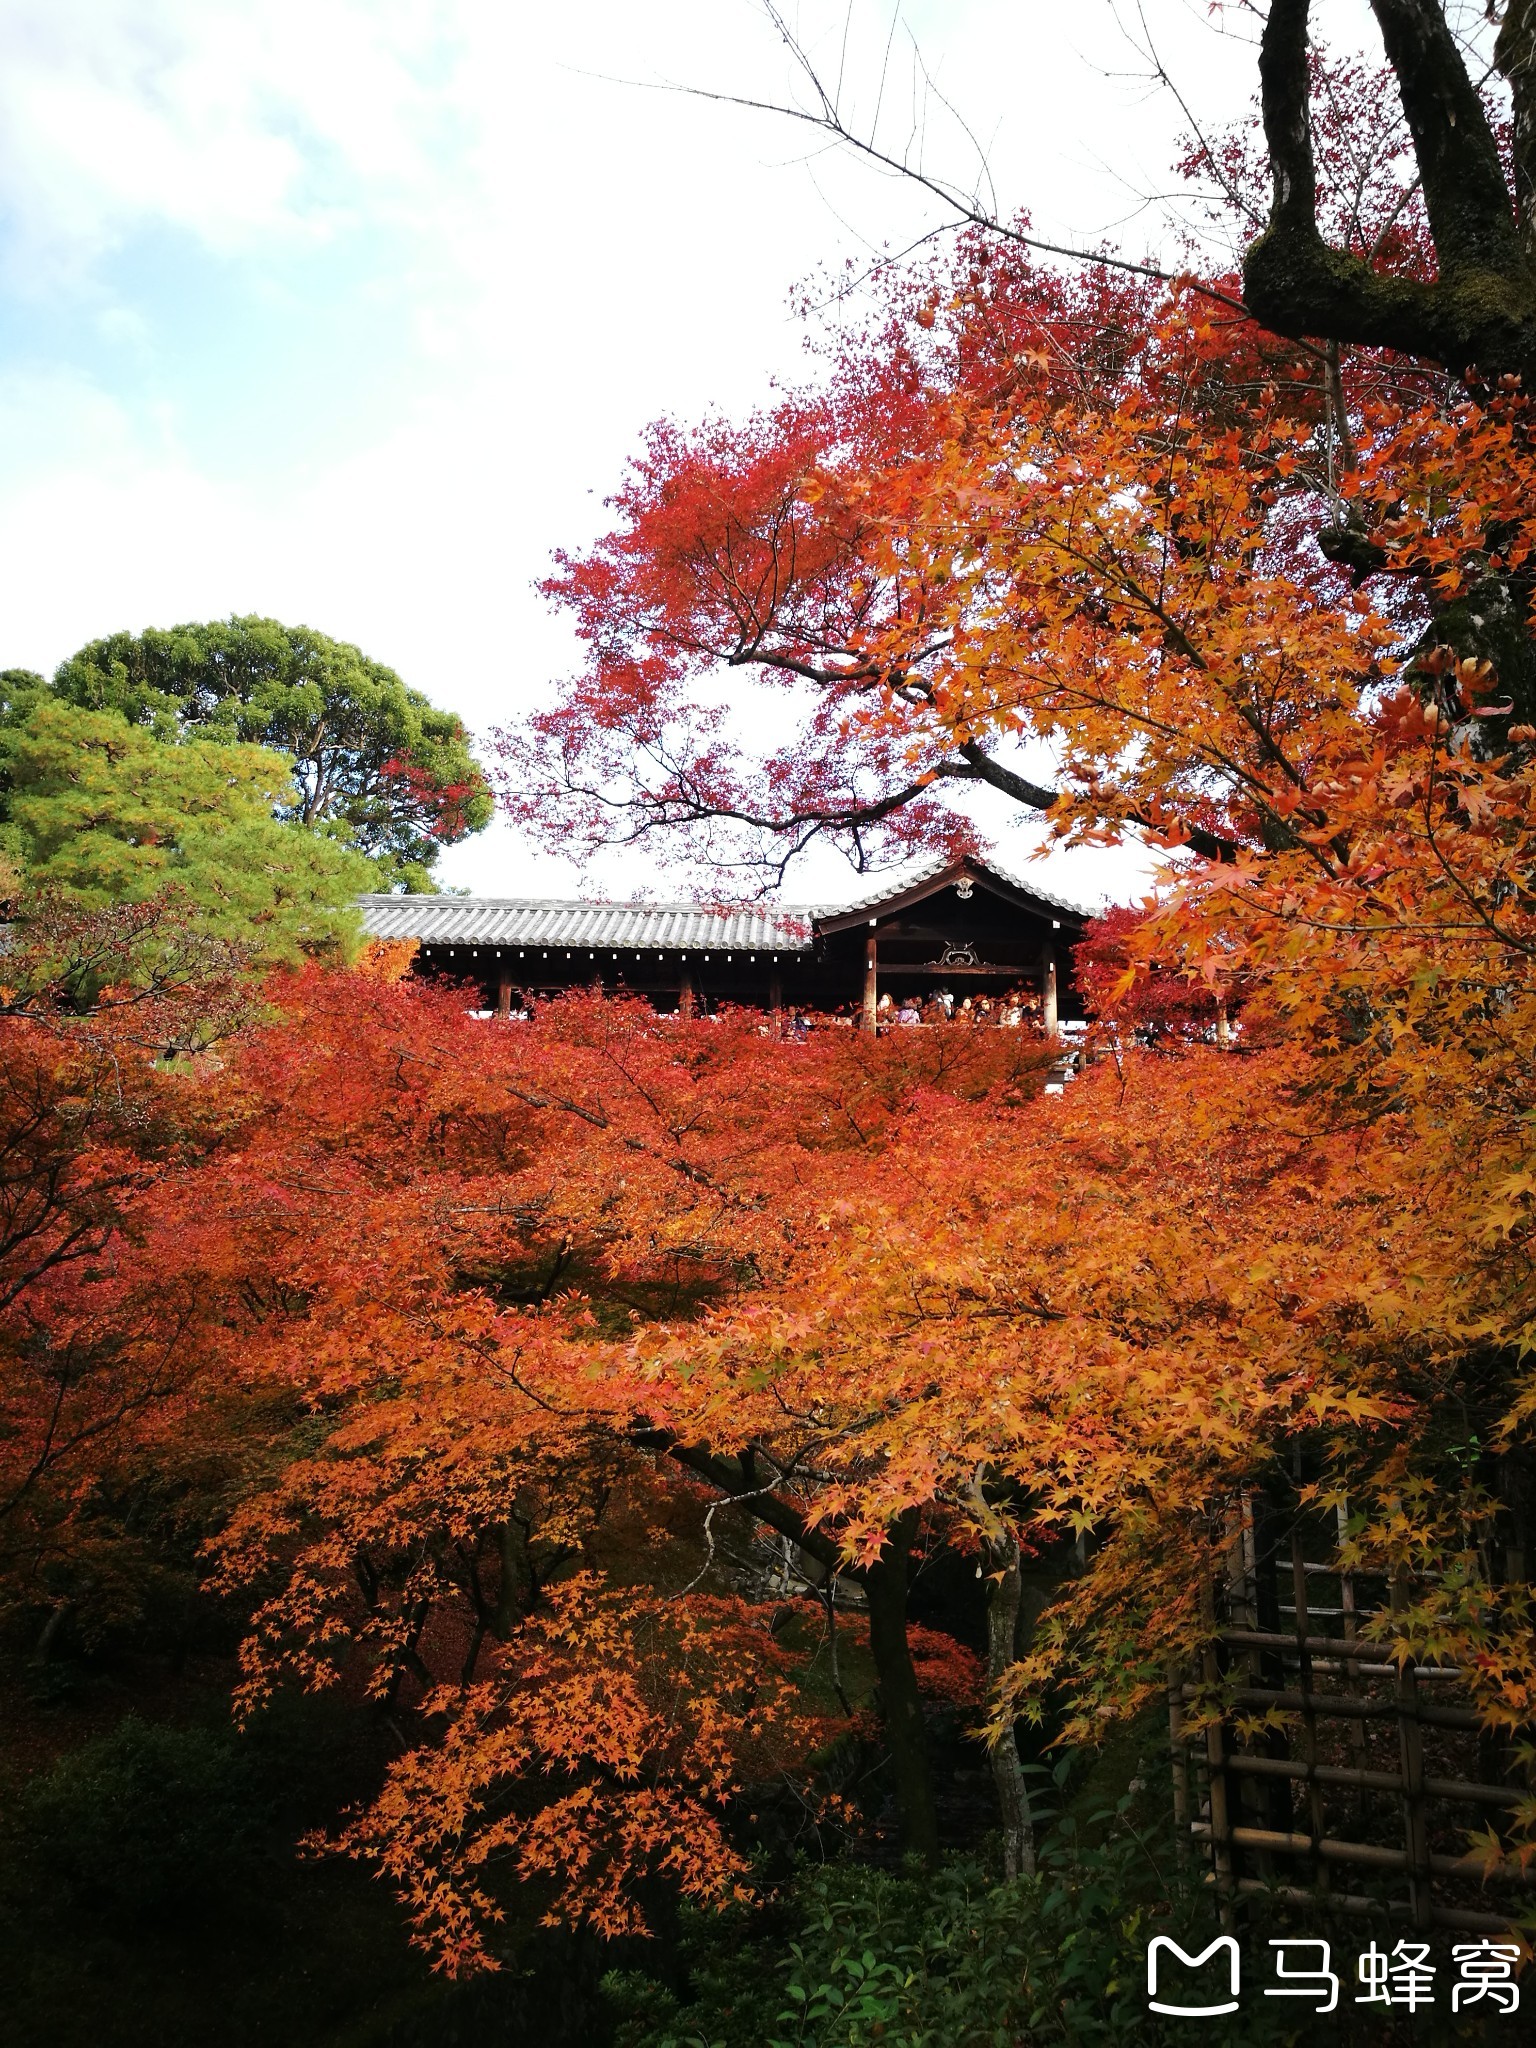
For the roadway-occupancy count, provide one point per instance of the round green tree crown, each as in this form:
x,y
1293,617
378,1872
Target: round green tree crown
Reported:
x,y
373,762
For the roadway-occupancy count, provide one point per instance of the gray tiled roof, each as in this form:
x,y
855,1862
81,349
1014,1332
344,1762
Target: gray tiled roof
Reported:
x,y
536,921
746,928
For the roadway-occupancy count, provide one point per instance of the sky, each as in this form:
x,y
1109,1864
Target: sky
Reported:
x,y
349,312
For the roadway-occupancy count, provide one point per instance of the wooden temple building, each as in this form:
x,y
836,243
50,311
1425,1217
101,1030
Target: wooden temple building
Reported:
x,y
961,926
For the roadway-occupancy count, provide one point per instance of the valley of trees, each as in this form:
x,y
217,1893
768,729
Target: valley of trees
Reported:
x,y
709,1520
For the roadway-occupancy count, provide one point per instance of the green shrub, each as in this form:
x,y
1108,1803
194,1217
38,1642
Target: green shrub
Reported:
x,y
950,1959
147,1818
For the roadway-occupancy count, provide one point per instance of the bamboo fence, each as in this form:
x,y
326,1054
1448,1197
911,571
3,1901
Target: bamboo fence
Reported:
x,y
1304,1762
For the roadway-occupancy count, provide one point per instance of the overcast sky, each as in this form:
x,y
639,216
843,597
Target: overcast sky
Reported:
x,y
349,311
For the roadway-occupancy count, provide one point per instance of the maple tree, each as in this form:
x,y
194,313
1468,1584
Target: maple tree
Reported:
x,y
544,1306
761,547
1125,988
545,1276
804,546
1301,277
1271,610
110,1310
489,1425
546,1291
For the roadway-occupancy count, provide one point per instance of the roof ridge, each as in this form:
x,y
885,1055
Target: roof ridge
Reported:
x,y
718,907
900,879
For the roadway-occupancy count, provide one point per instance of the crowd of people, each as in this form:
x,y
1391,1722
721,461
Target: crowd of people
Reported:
x,y
1017,1009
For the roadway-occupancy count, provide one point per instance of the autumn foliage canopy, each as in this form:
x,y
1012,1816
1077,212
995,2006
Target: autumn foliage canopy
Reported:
x,y
507,1328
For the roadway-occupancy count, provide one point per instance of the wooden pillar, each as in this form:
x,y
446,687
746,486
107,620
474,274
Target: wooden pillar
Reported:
x,y
1411,1753
871,987
1219,1783
776,997
1316,1819
1178,1743
685,994
504,995
1049,1020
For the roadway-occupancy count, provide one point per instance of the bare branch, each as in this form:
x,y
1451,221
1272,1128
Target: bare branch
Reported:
x,y
825,114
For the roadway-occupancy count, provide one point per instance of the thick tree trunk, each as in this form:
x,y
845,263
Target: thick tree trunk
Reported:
x,y
1003,1603
1515,55
53,1629
901,1707
512,1548
885,1591
1481,309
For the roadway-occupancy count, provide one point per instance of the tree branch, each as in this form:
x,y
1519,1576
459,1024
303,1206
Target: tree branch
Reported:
x,y
826,115
1482,309
728,1476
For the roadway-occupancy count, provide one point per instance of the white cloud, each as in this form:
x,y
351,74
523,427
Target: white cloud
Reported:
x,y
231,120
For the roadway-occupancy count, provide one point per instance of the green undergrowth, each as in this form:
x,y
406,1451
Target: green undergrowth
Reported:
x,y
850,1956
